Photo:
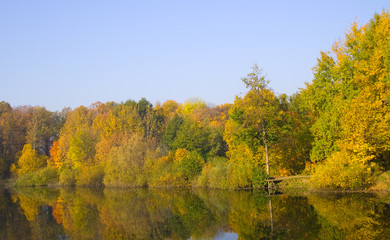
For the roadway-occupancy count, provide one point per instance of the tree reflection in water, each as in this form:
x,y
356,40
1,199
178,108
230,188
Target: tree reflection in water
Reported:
x,y
83,213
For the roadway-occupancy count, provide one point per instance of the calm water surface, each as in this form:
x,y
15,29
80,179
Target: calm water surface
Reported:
x,y
45,213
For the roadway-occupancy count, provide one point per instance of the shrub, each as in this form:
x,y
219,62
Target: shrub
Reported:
x,y
169,179
343,171
214,174
259,179
243,169
41,177
91,176
67,177
163,172
189,164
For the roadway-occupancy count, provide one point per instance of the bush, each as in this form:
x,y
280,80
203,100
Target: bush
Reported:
x,y
189,164
243,169
91,176
41,177
239,174
343,171
67,177
214,174
168,179
163,172
259,179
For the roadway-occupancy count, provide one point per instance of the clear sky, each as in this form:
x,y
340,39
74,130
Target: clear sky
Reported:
x,y
69,53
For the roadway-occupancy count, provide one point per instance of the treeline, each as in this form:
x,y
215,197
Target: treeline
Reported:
x,y
337,128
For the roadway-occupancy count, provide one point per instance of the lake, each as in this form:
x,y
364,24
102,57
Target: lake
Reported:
x,y
83,213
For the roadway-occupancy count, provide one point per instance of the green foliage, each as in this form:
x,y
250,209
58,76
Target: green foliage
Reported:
x,y
43,176
214,174
337,126
171,131
143,106
259,177
82,148
243,169
67,177
291,151
193,137
254,118
256,79
348,99
189,164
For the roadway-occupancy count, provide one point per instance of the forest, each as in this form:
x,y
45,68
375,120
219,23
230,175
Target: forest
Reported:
x,y
336,129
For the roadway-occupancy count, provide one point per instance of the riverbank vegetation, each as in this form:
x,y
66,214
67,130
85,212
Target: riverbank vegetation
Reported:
x,y
337,129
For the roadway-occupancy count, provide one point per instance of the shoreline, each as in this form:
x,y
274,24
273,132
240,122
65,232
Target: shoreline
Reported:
x,y
289,190
288,186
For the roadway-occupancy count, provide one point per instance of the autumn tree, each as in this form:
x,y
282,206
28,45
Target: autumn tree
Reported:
x,y
357,96
76,151
126,161
252,118
30,160
4,108
13,129
42,129
291,152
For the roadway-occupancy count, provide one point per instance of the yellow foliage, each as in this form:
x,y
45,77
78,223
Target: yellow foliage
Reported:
x,y
13,170
30,161
180,154
191,105
343,171
30,207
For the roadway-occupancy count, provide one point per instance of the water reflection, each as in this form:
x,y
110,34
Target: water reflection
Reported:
x,y
43,213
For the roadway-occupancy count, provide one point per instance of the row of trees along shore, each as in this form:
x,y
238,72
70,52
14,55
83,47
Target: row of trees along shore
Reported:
x,y
337,129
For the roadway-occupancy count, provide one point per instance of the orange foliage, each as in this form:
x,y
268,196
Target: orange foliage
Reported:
x,y
58,211
55,158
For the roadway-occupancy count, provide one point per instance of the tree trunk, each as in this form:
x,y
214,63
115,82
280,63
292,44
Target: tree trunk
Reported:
x,y
271,217
265,146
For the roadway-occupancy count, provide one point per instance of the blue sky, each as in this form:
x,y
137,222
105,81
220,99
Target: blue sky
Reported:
x,y
60,54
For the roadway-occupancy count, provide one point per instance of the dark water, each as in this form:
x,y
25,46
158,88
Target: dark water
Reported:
x,y
42,213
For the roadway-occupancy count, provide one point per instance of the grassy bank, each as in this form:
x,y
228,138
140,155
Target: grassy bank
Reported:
x,y
298,185
303,185
382,182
